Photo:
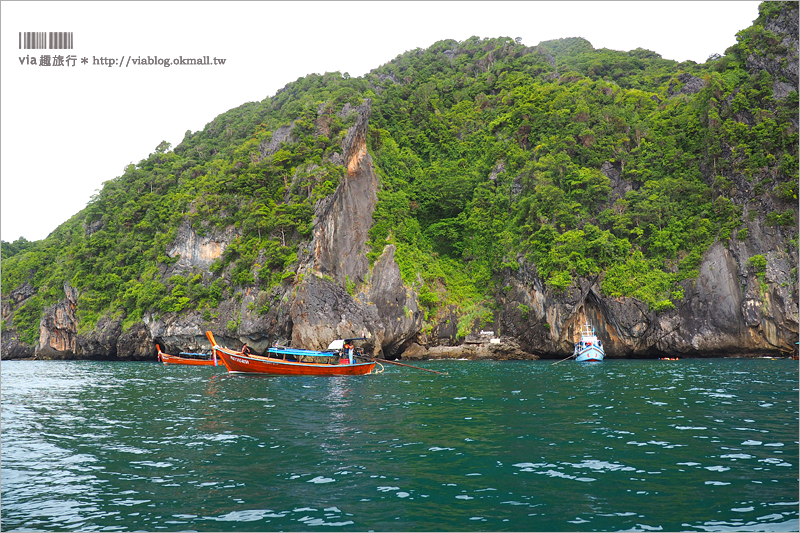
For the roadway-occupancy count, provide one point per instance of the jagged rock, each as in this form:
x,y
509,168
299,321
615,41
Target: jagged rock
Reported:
x,y
390,77
751,311
632,325
710,316
323,311
689,85
335,158
22,293
174,334
342,220
785,65
355,142
94,227
265,319
346,110
619,185
197,251
715,316
445,331
281,135
463,351
396,304
58,328
781,89
508,349
136,344
502,349
516,186
101,341
415,352
13,347
498,169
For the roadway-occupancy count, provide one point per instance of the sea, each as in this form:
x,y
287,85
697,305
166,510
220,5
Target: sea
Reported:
x,y
622,445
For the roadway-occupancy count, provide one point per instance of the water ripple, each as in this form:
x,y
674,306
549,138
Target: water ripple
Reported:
x,y
637,445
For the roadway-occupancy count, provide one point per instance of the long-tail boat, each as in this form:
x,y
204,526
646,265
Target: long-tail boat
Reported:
x,y
292,361
184,358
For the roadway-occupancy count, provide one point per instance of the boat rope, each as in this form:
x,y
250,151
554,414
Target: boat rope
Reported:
x,y
403,364
570,357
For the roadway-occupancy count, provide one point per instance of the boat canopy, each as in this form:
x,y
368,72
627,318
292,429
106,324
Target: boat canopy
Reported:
x,y
338,344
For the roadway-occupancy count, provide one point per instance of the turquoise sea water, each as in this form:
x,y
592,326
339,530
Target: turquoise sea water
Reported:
x,y
690,445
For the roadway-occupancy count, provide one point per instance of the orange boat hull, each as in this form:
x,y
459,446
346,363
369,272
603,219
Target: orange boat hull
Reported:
x,y
168,359
175,360
238,362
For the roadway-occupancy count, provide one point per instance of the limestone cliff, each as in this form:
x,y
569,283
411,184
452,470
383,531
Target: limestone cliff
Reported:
x,y
343,219
194,251
725,311
58,329
329,289
310,310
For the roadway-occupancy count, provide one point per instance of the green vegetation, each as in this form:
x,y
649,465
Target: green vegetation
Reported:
x,y
489,154
759,265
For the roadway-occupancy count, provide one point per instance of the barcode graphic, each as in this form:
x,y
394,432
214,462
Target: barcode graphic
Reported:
x,y
43,39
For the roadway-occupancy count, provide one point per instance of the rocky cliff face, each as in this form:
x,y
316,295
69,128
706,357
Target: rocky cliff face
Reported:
x,y
783,67
310,311
57,332
195,251
343,219
13,347
322,310
729,309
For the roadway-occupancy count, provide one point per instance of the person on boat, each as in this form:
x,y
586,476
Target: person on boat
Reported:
x,y
245,350
348,350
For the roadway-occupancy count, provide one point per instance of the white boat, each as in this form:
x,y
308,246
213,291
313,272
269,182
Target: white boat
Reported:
x,y
589,348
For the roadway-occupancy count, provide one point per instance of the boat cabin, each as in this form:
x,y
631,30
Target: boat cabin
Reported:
x,y
588,338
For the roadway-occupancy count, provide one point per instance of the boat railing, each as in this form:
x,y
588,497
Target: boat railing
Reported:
x,y
587,330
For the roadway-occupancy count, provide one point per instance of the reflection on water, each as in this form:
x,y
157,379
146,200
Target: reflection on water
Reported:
x,y
502,446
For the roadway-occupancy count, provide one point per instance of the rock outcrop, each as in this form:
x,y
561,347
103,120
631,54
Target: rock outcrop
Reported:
x,y
782,66
14,348
196,251
102,341
474,349
726,311
395,303
58,329
343,219
323,311
688,85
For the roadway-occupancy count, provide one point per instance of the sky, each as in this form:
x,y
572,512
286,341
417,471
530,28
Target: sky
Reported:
x,y
65,130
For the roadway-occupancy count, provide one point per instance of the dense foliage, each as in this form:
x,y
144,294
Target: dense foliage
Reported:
x,y
490,154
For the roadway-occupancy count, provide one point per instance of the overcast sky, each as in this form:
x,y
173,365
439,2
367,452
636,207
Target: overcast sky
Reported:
x,y
68,129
